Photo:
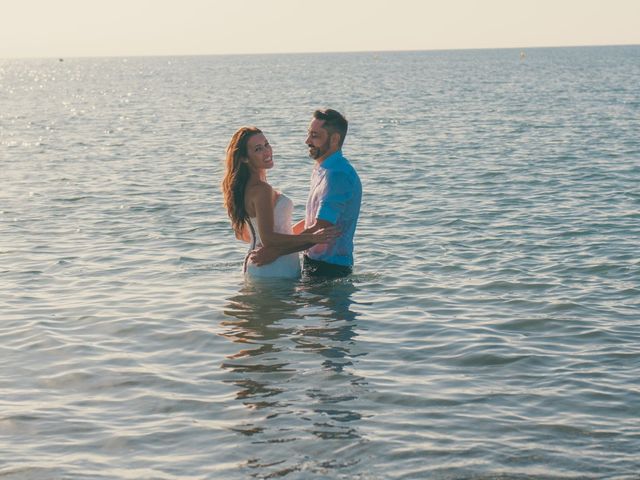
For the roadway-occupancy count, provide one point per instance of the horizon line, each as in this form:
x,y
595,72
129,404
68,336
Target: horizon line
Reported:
x,y
237,54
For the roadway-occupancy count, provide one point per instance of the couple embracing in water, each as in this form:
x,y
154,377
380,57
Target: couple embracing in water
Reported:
x,y
262,216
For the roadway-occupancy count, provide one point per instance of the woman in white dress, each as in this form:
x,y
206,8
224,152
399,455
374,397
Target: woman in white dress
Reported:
x,y
259,214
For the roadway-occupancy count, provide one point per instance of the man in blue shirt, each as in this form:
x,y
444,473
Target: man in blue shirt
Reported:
x,y
334,199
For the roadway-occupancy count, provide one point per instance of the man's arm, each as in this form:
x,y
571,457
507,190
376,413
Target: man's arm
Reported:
x,y
298,228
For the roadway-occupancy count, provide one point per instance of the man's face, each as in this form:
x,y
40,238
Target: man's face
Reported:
x,y
317,140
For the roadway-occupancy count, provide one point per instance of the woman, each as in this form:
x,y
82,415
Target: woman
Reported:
x,y
259,214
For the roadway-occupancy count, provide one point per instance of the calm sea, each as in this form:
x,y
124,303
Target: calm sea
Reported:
x,y
491,329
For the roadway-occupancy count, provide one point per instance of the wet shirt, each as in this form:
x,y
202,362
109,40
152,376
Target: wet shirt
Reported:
x,y
334,195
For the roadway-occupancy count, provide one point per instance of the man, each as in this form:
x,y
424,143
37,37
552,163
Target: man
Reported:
x,y
334,200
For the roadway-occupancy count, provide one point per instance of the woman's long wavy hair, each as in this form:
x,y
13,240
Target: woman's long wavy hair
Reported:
x,y
236,177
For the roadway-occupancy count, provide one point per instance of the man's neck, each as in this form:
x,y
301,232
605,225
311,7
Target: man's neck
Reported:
x,y
324,157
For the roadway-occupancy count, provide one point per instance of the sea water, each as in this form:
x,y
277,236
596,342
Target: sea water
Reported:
x,y
491,329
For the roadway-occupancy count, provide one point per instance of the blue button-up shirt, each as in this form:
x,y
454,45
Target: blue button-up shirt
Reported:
x,y
335,195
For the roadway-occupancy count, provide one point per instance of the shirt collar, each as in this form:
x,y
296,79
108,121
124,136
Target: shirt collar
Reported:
x,y
332,160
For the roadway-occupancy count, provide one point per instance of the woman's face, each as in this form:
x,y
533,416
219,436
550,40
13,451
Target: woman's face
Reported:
x,y
260,155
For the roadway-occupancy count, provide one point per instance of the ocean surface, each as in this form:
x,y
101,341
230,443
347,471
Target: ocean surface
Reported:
x,y
491,329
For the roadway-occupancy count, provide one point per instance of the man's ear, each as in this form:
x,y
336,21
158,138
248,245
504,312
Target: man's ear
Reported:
x,y
334,141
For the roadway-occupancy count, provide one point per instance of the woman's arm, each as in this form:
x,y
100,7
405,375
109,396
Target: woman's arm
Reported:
x,y
244,236
262,200
264,255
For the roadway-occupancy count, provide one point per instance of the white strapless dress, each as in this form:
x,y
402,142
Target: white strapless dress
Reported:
x,y
286,266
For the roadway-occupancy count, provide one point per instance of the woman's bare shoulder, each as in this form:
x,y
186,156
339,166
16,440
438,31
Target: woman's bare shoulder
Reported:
x,y
260,193
259,189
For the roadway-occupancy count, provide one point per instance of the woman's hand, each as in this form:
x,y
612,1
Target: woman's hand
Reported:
x,y
325,235
264,255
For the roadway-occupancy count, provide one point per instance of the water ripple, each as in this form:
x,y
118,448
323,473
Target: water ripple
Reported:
x,y
489,330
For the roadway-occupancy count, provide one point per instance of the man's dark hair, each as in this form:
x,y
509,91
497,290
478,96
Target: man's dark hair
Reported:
x,y
334,122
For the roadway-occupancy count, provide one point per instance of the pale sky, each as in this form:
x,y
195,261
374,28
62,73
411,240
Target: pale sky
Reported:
x,y
71,28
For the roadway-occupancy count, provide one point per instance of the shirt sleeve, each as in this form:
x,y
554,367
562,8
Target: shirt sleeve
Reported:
x,y
338,192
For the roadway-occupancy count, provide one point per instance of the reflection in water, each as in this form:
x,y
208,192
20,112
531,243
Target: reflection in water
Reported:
x,y
296,344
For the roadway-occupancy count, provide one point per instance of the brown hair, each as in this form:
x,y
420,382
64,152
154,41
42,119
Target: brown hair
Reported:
x,y
334,122
236,177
